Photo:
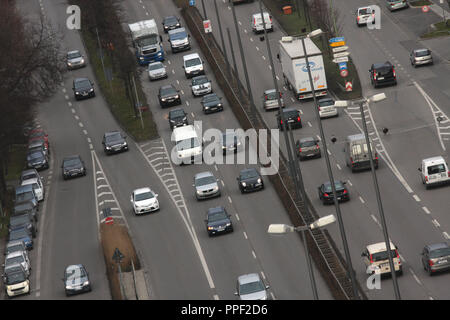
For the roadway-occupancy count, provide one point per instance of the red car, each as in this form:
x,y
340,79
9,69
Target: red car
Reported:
x,y
38,134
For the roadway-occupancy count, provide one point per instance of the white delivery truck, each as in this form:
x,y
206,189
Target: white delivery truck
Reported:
x,y
295,72
147,41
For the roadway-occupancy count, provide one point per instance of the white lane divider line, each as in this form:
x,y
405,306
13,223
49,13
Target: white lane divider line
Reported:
x,y
229,199
446,236
436,223
187,103
80,124
257,49
73,111
329,152
277,78
85,132
309,124
237,217
273,297
301,111
66,96
339,167
416,198
216,297
426,210
362,200
245,235
254,254
223,184
264,58
349,182
251,39
215,167
415,277
263,275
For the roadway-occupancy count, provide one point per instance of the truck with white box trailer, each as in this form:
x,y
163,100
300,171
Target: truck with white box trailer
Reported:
x,y
295,71
147,41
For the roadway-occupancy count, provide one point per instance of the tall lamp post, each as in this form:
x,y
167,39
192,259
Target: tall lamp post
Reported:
x,y
330,173
376,98
283,228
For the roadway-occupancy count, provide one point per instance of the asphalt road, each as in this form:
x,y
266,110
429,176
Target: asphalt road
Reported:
x,y
181,262
415,216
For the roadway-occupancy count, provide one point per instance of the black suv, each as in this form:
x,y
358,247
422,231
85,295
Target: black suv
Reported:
x,y
382,73
211,103
25,220
113,142
83,88
36,159
73,166
168,96
177,118
170,23
292,117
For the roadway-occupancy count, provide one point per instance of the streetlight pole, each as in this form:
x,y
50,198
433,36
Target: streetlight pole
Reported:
x,y
204,10
330,175
224,50
380,204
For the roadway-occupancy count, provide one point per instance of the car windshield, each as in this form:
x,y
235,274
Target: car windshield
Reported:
x,y
15,248
217,216
205,181
73,55
325,103
177,113
251,287
170,20
178,35
442,252
290,114
72,162
74,273
83,84
438,168
35,155
155,66
337,184
148,40
167,91
193,62
18,220
16,235
14,260
187,144
422,53
309,143
271,95
199,80
25,196
365,11
144,196
113,137
210,98
15,277
380,256
249,174
37,134
382,71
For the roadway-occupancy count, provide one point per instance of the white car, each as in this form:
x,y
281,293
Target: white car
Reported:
x,y
365,15
156,70
18,257
144,200
37,185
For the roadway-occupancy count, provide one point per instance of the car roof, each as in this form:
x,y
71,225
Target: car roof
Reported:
x,y
142,190
15,243
73,51
210,95
379,247
269,91
28,171
170,17
14,254
191,56
248,278
288,110
72,157
36,143
24,188
256,15
111,133
177,110
177,30
199,77
74,267
248,170
80,79
382,64
307,139
156,62
167,86
436,246
215,210
29,181
364,8
203,174
433,160
325,99
421,49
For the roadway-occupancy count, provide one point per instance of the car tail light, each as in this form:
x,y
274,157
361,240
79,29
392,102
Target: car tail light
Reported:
x,y
351,160
319,108
398,257
299,149
374,75
426,178
301,96
373,15
298,119
326,194
265,97
448,174
345,191
317,146
371,259
281,121
270,19
393,71
430,263
357,18
280,94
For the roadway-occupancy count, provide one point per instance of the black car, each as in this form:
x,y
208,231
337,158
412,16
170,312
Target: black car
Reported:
x,y
73,166
25,207
230,142
38,145
250,180
76,280
211,103
170,23
292,117
169,96
36,159
24,220
113,142
382,74
436,257
177,118
218,221
326,193
83,88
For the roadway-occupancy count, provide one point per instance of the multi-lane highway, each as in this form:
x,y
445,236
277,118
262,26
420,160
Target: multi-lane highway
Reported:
x,y
180,261
415,216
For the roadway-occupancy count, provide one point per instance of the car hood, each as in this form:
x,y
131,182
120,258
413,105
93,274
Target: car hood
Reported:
x,y
206,187
157,71
218,223
169,95
115,142
260,295
78,166
76,281
75,60
144,203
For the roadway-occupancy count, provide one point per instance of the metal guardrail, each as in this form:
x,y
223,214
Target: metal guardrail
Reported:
x,y
323,251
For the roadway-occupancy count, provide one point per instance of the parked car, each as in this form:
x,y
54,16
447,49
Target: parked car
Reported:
x,y
25,207
144,200
170,23
76,279
308,148
75,60
38,145
25,193
206,185
73,166
22,234
19,257
230,142
29,174
113,142
15,245
327,108
83,88
156,70
251,287
218,221
396,4
24,220
39,134
177,118
169,96
326,192
270,100
365,15
376,259
16,281
382,74
250,180
436,257
200,86
292,117
211,103
38,187
420,57
37,159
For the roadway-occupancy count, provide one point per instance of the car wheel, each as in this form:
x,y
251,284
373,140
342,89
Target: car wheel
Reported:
x,y
320,155
430,273
242,190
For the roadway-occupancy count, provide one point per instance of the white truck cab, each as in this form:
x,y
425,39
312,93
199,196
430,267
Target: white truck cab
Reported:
x,y
257,22
193,65
434,171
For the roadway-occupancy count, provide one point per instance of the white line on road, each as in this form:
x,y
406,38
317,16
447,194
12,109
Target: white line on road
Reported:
x,y
187,103
73,110
277,78
193,115
301,111
69,104
318,138
240,23
67,97
223,184
178,82
426,210
216,297
85,132
215,167
309,124
80,124
436,223
89,140
257,49
416,198
245,235
254,254
415,277
237,217
361,199
328,150
264,58
446,236
251,39
273,297
339,167
229,200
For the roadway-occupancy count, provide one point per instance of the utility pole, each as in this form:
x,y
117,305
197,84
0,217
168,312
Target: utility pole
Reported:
x,y
138,104
224,50
204,11
234,62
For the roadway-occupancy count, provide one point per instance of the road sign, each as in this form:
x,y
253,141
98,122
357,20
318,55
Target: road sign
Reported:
x,y
207,26
348,86
344,73
425,8
341,54
337,44
192,3
342,65
117,256
339,49
341,59
337,39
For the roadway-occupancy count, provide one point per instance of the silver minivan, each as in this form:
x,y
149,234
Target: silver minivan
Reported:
x,y
357,153
434,171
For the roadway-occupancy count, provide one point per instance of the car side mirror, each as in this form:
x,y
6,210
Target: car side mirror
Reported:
x,y
420,169
363,254
156,195
236,294
131,199
267,287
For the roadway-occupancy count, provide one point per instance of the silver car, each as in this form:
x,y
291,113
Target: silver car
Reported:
x,y
206,185
308,148
75,60
20,257
270,100
200,86
251,287
396,4
420,56
436,257
156,70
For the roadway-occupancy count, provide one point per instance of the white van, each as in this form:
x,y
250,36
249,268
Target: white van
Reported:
x,y
257,22
188,146
434,171
193,65
376,259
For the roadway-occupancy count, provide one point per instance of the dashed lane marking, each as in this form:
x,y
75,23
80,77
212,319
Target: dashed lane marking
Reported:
x,y
245,235
416,198
253,254
361,199
436,223
426,210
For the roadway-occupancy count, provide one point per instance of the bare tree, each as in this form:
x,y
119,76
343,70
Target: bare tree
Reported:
x,y
326,17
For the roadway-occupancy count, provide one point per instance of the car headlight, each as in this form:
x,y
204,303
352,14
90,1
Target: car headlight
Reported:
x,y
219,105
69,287
216,188
206,107
244,184
238,143
141,58
185,118
177,96
159,54
108,148
125,144
86,283
163,99
69,63
224,147
199,192
259,180
210,228
91,90
82,61
228,224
